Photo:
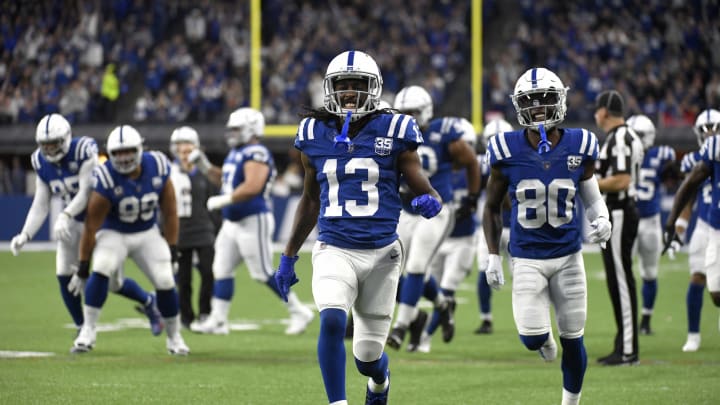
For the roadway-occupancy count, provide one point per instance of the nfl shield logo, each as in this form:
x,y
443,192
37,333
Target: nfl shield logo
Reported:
x,y
573,162
383,146
157,182
118,191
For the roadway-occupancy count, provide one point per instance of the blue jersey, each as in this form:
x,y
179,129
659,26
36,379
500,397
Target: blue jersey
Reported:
x,y
233,174
704,194
649,181
435,155
543,191
62,177
134,201
468,225
710,154
359,197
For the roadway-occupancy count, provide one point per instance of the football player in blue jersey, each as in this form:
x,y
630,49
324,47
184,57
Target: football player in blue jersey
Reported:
x,y
442,150
658,161
454,259
354,156
545,169
707,124
64,166
248,224
484,292
121,222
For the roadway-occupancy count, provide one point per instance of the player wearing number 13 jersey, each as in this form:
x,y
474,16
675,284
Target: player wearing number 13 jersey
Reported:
x,y
544,169
122,222
354,155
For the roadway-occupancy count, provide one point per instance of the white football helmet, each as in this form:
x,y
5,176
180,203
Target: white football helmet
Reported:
x,y
53,136
707,124
121,140
539,99
644,127
494,127
416,101
352,65
183,135
242,125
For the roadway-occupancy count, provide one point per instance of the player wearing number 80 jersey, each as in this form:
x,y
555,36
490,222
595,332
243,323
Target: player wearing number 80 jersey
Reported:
x,y
544,169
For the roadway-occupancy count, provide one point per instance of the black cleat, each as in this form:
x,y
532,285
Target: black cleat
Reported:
x,y
604,358
645,325
416,329
617,359
447,320
485,328
396,337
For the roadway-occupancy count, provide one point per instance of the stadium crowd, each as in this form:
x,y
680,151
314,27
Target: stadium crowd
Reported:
x,y
660,54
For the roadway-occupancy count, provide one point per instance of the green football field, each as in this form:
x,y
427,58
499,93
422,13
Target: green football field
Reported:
x,y
258,364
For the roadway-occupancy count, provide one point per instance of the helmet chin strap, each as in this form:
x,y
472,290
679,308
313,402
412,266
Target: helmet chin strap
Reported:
x,y
544,145
342,140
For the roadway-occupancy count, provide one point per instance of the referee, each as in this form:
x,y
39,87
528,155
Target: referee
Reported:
x,y
618,166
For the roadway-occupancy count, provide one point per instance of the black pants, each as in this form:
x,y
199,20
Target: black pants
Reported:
x,y
184,281
617,257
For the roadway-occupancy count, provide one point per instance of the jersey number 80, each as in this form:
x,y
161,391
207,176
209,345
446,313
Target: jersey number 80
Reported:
x,y
538,204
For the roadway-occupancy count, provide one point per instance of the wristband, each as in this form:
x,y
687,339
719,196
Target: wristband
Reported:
x,y
84,269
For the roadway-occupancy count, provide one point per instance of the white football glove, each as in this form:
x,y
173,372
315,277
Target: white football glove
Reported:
x,y
600,232
494,273
200,160
62,229
76,286
218,201
17,242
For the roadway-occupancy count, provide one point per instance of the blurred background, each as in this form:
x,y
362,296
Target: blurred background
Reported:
x,y
161,64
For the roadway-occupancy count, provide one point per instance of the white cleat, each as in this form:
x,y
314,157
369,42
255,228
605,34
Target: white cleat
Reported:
x,y
693,343
548,351
300,318
211,326
176,346
85,340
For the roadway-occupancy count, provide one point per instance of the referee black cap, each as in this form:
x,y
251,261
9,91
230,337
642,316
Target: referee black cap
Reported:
x,y
612,100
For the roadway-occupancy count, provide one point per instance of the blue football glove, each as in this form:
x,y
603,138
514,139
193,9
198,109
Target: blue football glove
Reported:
x,y
426,205
285,276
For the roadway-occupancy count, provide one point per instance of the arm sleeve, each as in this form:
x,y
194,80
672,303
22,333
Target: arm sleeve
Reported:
x,y
592,199
79,202
38,210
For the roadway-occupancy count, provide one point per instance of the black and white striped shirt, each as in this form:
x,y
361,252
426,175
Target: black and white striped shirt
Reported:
x,y
622,152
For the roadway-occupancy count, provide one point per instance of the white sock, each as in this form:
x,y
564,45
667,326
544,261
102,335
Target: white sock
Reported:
x,y
647,311
486,317
440,300
91,314
293,303
405,315
568,398
220,309
172,325
341,402
378,388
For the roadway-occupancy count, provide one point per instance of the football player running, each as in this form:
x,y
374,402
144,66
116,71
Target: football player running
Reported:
x,y
353,157
121,222
443,149
64,166
658,162
248,224
484,292
707,124
544,169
